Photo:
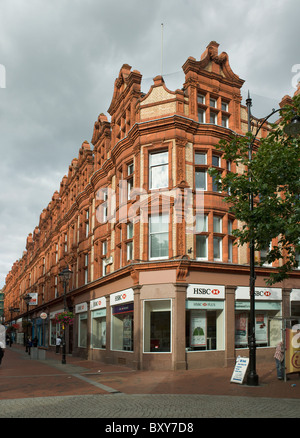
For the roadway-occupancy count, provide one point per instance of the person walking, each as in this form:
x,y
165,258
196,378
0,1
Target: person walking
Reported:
x,y
29,344
279,360
58,342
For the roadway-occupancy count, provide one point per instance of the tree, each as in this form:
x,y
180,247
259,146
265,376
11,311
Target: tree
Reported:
x,y
273,177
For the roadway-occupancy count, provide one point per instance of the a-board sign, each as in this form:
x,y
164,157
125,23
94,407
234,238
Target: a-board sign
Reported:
x,y
240,370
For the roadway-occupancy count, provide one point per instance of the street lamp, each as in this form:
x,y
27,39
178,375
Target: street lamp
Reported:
x,y
27,300
293,129
65,276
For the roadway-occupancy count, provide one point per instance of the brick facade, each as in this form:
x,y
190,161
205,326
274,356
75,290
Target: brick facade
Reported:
x,y
145,162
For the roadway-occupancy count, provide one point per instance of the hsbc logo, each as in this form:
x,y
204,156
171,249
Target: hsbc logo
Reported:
x,y
205,291
261,293
120,297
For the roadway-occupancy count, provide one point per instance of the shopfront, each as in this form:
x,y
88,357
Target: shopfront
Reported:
x,y
55,328
295,302
82,324
205,317
268,307
98,323
122,320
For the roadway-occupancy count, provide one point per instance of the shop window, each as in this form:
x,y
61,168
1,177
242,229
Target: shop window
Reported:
x,y
157,326
159,236
98,331
204,330
158,170
122,327
55,330
82,330
267,327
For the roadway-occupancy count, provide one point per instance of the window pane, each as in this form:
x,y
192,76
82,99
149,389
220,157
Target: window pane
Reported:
x,y
200,158
201,246
159,245
129,251
201,116
159,158
159,223
230,245
217,248
215,184
216,160
157,326
213,103
122,327
130,230
200,179
201,223
159,177
158,169
98,335
224,106
213,118
201,98
217,224
225,121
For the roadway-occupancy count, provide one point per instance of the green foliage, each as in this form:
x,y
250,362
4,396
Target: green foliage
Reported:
x,y
273,177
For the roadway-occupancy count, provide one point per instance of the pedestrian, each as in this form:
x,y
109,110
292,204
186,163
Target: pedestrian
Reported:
x,y
279,359
58,342
2,349
29,345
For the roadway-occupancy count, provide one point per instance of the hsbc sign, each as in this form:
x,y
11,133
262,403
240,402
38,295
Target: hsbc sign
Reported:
x,y
205,291
261,293
121,297
98,303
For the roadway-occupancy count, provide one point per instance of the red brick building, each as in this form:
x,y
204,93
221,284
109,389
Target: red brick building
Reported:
x,y
157,281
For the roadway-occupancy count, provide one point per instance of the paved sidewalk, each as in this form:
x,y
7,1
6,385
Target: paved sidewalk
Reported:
x,y
23,377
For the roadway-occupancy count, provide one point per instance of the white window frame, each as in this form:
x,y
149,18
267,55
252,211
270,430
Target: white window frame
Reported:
x,y
157,233
163,166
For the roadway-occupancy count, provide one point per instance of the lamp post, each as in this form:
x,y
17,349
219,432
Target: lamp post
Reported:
x,y
293,129
65,276
27,300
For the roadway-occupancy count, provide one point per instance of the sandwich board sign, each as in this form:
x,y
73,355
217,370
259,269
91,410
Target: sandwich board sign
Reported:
x,y
240,370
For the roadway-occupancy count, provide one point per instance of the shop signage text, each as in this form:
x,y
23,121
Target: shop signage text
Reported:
x,y
123,296
205,291
261,293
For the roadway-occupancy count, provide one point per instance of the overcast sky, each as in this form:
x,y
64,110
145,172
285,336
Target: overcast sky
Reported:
x,y
59,60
